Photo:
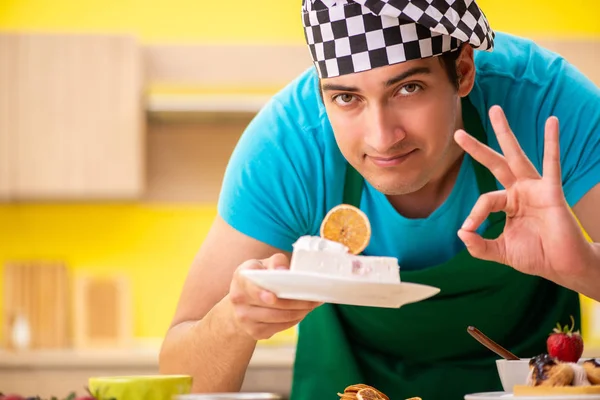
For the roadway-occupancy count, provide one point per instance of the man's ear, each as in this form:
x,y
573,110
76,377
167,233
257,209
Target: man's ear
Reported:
x,y
465,68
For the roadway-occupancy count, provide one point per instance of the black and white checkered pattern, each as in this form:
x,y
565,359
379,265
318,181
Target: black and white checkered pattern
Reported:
x,y
347,36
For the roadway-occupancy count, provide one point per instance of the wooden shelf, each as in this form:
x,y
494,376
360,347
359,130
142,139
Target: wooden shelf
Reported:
x,y
187,155
209,103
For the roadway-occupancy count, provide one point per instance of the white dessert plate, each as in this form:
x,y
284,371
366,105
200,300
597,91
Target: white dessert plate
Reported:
x,y
504,395
298,285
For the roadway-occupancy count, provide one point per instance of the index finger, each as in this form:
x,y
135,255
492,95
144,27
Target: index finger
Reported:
x,y
487,157
514,154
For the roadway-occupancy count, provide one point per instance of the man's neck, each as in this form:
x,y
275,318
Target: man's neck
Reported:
x,y
423,202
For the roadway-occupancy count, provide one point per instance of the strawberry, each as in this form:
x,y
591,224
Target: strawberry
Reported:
x,y
565,345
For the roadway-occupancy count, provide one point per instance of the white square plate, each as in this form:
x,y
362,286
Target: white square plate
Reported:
x,y
297,285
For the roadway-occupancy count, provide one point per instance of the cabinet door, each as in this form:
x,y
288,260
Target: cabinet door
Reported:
x,y
7,91
75,116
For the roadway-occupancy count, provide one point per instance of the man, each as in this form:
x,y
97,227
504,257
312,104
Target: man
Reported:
x,y
397,108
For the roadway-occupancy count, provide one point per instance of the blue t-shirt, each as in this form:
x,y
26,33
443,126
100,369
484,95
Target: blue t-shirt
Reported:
x,y
286,171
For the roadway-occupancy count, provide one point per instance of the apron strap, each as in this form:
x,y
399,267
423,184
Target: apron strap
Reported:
x,y
353,186
486,182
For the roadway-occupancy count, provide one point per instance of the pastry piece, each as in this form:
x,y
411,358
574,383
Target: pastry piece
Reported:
x,y
592,369
314,254
545,371
345,233
550,377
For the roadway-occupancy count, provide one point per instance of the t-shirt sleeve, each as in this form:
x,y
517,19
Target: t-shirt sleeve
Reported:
x,y
265,192
575,100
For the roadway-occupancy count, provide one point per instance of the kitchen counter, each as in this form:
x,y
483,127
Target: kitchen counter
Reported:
x,y
263,357
58,372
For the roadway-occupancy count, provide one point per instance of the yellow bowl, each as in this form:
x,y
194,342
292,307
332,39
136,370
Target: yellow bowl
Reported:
x,y
148,387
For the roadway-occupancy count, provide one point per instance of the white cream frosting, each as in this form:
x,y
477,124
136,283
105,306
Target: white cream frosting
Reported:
x,y
316,243
317,255
580,376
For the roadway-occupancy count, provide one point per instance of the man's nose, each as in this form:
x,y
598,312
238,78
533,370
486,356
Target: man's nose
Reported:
x,y
383,130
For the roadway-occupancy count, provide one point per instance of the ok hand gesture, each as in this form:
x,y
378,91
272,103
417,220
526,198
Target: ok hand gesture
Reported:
x,y
541,236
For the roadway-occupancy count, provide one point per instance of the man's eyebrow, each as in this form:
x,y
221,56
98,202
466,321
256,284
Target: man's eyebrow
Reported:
x,y
341,88
407,74
398,78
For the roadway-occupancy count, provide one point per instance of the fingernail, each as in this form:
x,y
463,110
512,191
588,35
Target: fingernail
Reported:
x,y
281,267
467,224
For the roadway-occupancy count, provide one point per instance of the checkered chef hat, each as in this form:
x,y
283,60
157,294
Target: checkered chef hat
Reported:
x,y
347,36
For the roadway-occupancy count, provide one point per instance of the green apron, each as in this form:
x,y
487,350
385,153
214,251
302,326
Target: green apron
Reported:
x,y
423,349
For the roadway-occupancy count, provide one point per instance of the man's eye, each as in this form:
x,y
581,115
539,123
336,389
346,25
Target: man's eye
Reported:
x,y
343,99
409,89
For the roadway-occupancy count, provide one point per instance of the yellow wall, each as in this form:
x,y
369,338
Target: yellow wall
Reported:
x,y
153,245
237,20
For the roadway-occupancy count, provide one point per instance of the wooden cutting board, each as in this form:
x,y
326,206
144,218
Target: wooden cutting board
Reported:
x,y
38,292
102,312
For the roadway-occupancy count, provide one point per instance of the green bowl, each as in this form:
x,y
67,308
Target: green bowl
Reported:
x,y
147,387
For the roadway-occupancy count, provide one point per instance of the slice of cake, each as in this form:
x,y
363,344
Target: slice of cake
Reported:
x,y
322,256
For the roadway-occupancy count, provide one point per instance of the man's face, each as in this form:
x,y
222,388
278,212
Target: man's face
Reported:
x,y
395,124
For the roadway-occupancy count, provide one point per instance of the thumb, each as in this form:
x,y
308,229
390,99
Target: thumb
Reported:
x,y
484,249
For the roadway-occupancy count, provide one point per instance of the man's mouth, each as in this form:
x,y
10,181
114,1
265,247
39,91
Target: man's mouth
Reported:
x,y
390,161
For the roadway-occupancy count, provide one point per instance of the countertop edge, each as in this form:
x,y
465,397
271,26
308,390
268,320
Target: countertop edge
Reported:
x,y
263,357
271,356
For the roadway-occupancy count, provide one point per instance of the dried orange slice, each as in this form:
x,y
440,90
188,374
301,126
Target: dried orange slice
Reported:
x,y
362,391
347,225
368,394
